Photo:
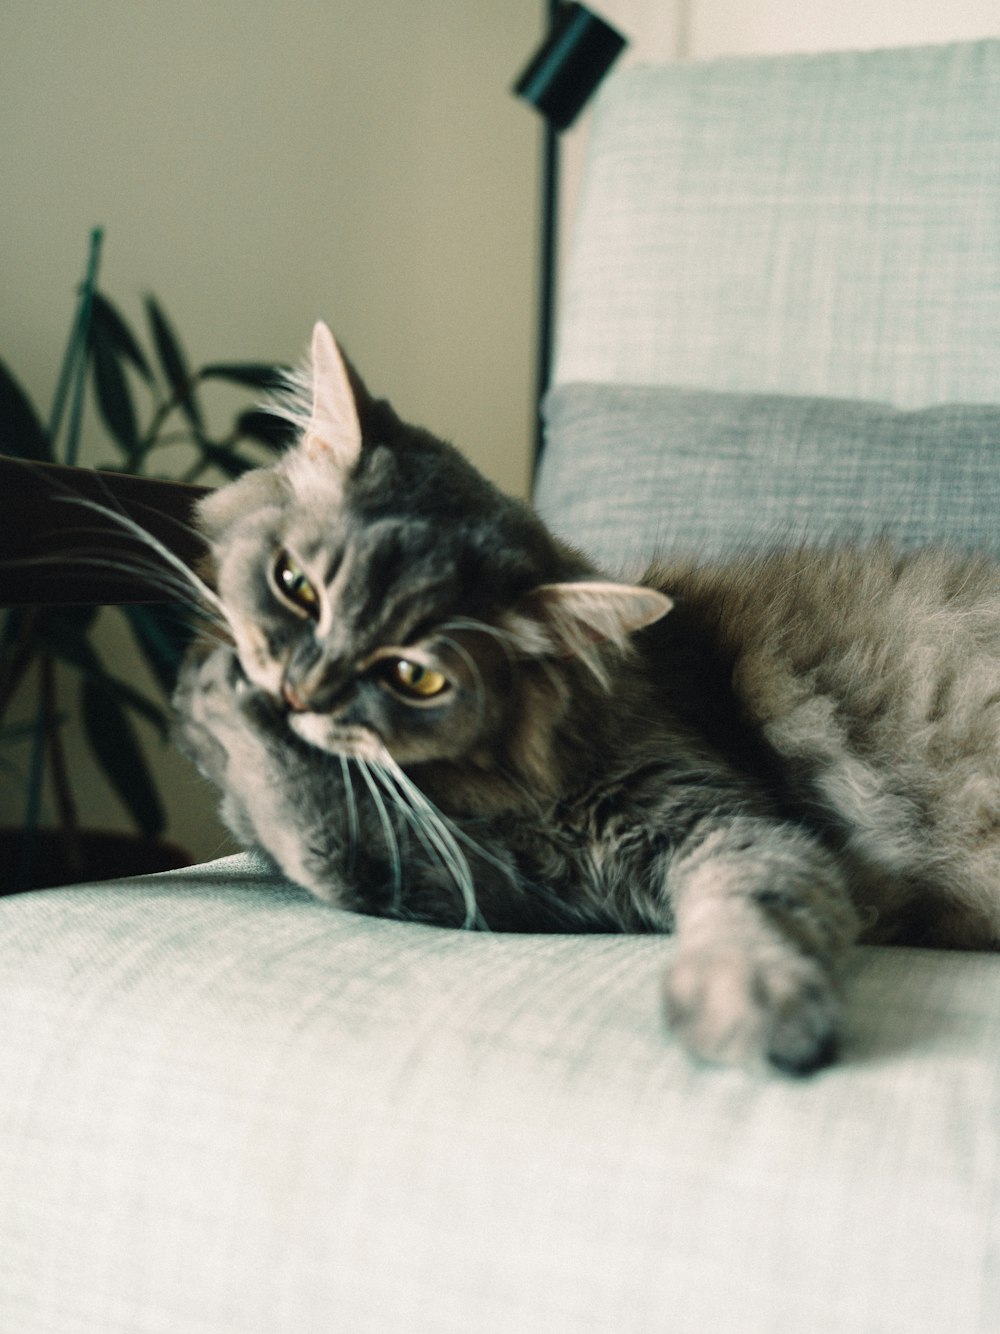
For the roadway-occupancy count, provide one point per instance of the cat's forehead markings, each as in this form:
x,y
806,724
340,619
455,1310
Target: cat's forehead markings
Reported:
x,y
333,589
313,551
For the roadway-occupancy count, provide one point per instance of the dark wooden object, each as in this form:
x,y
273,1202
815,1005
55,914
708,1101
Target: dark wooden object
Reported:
x,y
46,539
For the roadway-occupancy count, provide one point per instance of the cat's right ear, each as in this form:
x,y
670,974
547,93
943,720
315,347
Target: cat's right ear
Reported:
x,y
570,620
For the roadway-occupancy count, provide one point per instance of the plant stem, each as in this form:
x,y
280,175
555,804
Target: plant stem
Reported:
x,y
69,823
74,366
151,438
86,304
19,658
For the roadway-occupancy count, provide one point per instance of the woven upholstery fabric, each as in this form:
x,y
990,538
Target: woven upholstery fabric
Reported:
x,y
228,1109
632,471
821,225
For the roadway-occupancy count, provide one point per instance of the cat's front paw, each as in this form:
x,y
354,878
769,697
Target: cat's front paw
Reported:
x,y
211,704
774,1010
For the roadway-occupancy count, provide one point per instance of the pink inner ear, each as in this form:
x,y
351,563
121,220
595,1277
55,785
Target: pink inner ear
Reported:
x,y
334,428
592,611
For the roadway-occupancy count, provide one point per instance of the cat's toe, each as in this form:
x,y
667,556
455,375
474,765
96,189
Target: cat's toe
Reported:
x,y
777,1011
805,1053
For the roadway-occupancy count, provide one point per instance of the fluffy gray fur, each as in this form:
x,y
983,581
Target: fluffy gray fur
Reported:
x,y
804,752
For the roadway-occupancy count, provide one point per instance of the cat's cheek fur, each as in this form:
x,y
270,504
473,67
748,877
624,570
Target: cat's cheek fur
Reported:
x,y
320,731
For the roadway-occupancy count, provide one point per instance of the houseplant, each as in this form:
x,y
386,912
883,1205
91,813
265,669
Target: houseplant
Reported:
x,y
146,401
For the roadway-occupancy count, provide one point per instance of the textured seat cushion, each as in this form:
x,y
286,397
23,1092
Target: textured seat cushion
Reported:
x,y
629,471
225,1107
826,225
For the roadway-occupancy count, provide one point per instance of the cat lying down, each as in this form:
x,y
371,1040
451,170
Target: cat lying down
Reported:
x,y
423,705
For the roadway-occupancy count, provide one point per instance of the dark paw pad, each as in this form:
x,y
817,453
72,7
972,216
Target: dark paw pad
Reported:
x,y
775,1010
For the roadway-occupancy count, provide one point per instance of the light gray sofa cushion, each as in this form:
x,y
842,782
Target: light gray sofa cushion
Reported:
x,y
629,471
823,225
228,1109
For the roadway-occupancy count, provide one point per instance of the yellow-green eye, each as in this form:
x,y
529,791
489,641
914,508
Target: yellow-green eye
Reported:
x,y
293,584
413,679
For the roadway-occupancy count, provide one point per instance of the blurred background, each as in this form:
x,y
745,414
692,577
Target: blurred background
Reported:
x,y
259,166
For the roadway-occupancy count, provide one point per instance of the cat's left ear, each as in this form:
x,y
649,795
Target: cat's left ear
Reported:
x,y
334,430
568,619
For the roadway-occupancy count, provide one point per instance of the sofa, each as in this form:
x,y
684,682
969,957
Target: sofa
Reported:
x,y
226,1108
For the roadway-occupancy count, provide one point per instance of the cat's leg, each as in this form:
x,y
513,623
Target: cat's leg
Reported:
x,y
762,916
278,794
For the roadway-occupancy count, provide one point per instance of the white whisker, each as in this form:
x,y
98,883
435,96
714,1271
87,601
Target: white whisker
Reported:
x,y
154,544
434,824
433,842
392,846
424,808
154,575
352,805
434,850
163,516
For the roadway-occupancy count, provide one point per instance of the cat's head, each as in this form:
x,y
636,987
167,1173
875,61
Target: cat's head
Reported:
x,y
387,594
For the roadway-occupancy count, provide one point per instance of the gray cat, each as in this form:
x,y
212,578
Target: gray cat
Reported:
x,y
422,705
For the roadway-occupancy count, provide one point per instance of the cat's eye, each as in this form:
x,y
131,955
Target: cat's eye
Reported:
x,y
293,584
414,679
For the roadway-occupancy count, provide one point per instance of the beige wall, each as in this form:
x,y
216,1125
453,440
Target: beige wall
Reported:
x,y
671,29
744,27
257,165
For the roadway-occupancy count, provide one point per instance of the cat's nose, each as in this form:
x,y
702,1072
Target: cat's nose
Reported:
x,y
303,678
316,690
295,700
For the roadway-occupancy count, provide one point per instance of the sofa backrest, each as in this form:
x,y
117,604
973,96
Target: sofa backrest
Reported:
x,y
762,243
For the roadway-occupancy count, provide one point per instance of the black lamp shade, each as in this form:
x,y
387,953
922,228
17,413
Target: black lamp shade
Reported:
x,y
573,60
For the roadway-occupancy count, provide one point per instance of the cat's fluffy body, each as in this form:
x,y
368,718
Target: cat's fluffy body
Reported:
x,y
426,706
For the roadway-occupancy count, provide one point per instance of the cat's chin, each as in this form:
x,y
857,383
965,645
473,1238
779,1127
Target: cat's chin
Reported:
x,y
321,731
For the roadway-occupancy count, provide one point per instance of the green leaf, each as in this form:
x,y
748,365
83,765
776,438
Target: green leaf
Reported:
x,y
135,700
117,750
114,399
29,632
225,458
163,635
76,620
108,327
174,363
69,643
251,374
19,732
276,433
18,650
22,434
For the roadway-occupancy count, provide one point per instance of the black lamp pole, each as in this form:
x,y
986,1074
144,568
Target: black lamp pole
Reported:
x,y
558,82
